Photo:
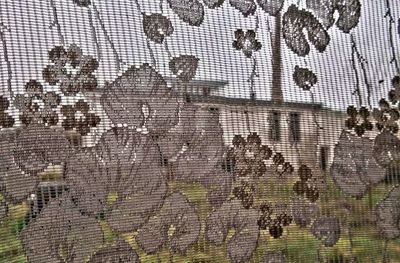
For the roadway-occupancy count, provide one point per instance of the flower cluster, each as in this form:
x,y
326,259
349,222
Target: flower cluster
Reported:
x,y
245,193
274,220
246,42
305,186
249,155
359,120
37,106
6,121
70,69
281,168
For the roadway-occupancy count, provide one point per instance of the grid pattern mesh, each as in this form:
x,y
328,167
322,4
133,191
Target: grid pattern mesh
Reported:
x,y
199,131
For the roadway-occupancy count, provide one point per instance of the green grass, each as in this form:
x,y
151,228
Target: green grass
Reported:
x,y
298,244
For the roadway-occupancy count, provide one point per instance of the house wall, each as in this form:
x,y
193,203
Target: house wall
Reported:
x,y
318,128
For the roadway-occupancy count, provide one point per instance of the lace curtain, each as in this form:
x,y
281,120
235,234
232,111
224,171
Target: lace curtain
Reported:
x,y
199,131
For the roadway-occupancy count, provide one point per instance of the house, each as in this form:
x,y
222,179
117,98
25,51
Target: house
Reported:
x,y
303,132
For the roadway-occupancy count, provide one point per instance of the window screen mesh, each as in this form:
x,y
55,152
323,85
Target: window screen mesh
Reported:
x,y
199,131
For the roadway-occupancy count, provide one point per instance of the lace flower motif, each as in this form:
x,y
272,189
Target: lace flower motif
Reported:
x,y
249,155
78,117
246,7
141,99
394,94
274,219
273,257
121,251
36,105
82,3
354,168
306,187
280,168
304,78
38,146
293,24
15,185
6,121
349,12
326,229
388,214
386,117
176,213
303,211
246,42
123,167
72,70
61,234
231,214
359,120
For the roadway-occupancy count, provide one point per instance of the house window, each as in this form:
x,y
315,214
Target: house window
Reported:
x,y
275,126
294,125
213,109
323,156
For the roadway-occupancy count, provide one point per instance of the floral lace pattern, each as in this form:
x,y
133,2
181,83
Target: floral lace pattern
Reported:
x,y
127,135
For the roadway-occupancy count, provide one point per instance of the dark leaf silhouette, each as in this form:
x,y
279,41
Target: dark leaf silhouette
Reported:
x,y
189,11
184,67
157,27
213,3
304,78
272,7
324,10
246,7
294,22
349,12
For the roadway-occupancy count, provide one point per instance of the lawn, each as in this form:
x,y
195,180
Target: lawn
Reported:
x,y
298,244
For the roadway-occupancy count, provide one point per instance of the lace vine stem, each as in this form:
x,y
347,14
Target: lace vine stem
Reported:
x,y
94,35
165,41
7,59
392,48
253,73
356,90
151,51
362,61
385,256
103,28
56,22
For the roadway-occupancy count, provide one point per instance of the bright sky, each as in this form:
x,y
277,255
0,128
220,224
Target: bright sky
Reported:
x,y
30,37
